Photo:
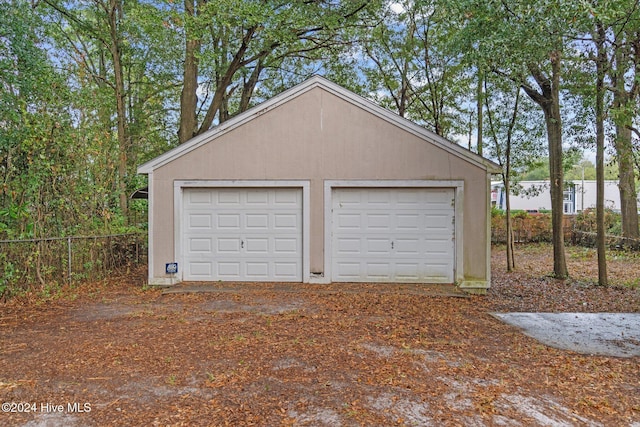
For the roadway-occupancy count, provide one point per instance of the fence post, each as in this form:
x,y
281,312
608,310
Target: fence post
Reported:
x,y
69,258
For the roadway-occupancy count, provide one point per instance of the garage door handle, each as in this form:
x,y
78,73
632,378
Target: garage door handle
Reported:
x,y
241,244
391,245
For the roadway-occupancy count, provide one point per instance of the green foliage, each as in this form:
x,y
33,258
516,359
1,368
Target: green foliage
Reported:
x,y
510,36
539,170
59,146
514,131
586,221
7,275
277,43
570,159
408,67
36,150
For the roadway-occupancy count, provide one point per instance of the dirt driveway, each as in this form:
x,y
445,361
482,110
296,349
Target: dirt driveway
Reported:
x,y
268,355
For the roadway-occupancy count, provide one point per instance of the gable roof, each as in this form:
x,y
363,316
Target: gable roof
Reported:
x,y
340,92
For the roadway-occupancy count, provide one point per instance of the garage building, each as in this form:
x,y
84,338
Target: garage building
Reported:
x,y
320,185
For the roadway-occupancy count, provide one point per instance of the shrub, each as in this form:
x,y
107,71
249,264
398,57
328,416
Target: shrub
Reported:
x,y
586,221
527,227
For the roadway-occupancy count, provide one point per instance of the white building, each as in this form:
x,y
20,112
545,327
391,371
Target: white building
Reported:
x,y
536,196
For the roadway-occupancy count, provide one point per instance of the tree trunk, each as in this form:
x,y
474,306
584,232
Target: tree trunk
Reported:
x,y
626,184
554,136
225,81
115,13
623,142
188,96
479,96
511,263
549,100
249,86
600,73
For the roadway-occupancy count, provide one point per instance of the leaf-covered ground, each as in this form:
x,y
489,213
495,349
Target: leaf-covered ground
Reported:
x,y
532,288
275,354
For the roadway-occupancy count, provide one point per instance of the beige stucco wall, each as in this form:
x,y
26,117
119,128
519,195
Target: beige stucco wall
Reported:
x,y
318,136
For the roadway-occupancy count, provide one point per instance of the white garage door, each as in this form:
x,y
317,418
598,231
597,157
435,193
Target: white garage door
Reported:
x,y
243,234
393,235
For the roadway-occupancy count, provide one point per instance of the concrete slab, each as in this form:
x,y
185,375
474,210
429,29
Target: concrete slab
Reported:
x,y
605,334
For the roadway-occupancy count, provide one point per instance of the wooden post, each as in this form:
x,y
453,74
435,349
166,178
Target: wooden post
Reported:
x,y
69,258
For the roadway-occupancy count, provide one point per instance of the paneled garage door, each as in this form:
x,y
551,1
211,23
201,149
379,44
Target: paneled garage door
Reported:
x,y
393,235
242,234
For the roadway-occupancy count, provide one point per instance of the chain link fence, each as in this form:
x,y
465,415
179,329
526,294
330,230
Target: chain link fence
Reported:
x,y
529,228
36,262
533,228
589,239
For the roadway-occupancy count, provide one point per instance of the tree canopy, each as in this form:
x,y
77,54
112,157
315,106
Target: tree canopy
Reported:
x,y
91,89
